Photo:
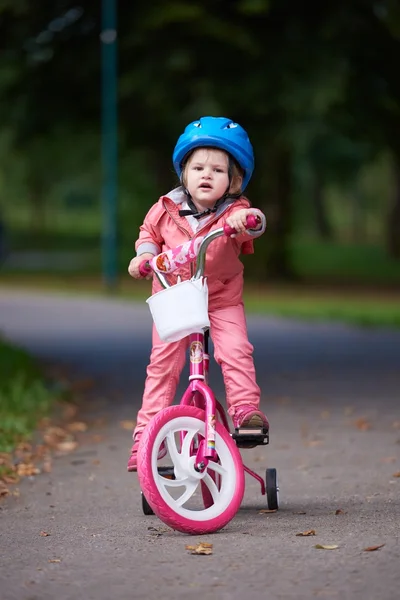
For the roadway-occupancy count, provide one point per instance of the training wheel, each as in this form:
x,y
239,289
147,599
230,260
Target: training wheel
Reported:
x,y
147,510
272,489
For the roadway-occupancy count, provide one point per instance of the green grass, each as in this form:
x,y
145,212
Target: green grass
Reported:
x,y
354,309
352,263
24,397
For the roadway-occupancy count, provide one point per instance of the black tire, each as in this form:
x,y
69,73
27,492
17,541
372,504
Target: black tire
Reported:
x,y
272,489
147,510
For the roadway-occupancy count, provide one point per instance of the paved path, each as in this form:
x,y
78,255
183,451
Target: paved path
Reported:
x,y
322,388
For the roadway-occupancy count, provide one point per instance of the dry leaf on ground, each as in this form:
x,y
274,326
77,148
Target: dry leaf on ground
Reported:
x,y
313,443
27,470
396,474
339,511
67,446
363,424
77,426
44,534
306,533
11,478
373,548
201,548
128,425
267,510
326,547
54,560
388,459
4,491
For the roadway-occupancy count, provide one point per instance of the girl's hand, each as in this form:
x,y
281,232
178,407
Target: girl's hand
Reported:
x,y
133,268
238,219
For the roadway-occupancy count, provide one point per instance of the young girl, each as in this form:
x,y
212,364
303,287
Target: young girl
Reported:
x,y
214,160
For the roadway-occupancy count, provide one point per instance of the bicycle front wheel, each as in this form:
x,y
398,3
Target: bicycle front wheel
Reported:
x,y
179,502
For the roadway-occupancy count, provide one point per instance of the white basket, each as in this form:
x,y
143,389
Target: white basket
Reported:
x,y
180,310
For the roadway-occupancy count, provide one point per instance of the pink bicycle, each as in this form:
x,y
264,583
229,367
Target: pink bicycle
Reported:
x,y
202,490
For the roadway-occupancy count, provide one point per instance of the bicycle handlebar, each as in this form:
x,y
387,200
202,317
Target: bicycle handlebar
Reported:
x,y
169,261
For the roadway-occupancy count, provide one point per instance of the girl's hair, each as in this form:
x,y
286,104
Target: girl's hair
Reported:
x,y
235,171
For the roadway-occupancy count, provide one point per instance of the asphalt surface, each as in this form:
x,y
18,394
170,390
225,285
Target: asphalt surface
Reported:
x,y
332,396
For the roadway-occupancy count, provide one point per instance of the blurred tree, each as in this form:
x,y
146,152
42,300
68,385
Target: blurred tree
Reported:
x,y
296,75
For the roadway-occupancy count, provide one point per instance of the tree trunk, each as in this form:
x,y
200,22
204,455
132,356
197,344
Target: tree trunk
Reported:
x,y
358,221
393,225
37,202
272,191
324,227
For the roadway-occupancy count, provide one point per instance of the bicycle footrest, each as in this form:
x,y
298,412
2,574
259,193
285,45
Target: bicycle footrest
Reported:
x,y
249,438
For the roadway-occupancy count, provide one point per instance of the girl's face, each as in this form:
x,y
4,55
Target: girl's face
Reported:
x,y
206,176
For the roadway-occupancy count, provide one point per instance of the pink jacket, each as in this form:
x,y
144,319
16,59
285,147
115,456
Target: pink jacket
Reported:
x,y
163,229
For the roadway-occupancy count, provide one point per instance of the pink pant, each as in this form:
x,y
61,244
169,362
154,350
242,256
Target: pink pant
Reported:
x,y
233,352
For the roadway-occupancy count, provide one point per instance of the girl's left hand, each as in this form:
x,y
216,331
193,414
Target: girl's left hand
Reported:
x,y
238,219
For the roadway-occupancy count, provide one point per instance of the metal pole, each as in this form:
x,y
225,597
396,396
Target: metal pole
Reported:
x,y
109,136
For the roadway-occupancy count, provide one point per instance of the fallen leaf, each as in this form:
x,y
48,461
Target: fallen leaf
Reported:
x,y
201,548
313,443
11,478
325,547
363,424
69,411
47,466
77,426
67,446
54,435
27,470
128,425
4,491
339,511
267,510
373,548
306,533
5,459
388,459
54,560
396,474
44,534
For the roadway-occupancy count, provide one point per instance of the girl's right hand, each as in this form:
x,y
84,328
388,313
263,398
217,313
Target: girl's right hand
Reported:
x,y
133,268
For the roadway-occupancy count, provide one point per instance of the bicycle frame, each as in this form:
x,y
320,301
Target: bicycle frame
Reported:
x,y
199,394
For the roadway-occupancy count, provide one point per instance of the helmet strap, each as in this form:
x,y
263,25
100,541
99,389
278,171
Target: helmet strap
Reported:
x,y
193,210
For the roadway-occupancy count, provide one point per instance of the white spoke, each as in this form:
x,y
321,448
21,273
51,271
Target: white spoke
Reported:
x,y
217,467
210,483
187,442
190,490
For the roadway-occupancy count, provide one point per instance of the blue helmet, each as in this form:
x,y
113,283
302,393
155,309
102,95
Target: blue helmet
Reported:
x,y
216,132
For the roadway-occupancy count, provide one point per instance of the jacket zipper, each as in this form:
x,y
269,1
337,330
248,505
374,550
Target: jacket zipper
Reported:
x,y
216,217
184,231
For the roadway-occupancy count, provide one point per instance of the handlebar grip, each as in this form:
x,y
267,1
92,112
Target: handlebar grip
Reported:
x,y
251,223
145,268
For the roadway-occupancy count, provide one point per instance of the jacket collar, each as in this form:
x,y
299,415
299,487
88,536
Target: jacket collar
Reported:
x,y
178,197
